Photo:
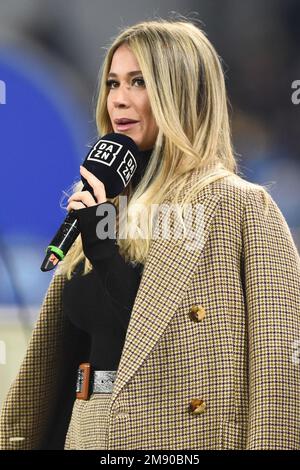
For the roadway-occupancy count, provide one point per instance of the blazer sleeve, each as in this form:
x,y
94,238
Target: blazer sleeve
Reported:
x,y
272,283
27,412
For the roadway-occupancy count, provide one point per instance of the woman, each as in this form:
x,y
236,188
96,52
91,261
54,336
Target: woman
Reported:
x,y
208,360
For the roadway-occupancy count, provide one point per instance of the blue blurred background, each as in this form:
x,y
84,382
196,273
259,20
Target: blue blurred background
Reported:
x,y
50,55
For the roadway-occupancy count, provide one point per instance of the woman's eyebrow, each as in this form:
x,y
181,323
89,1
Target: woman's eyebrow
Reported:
x,y
130,74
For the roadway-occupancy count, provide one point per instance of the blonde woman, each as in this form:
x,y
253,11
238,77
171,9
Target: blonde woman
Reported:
x,y
195,337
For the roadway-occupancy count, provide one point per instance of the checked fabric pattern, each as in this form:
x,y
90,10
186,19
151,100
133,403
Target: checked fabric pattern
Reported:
x,y
228,378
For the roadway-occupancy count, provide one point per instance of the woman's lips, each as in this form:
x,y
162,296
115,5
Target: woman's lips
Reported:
x,y
125,127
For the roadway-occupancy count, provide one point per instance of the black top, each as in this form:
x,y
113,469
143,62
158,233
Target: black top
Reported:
x,y
100,302
97,309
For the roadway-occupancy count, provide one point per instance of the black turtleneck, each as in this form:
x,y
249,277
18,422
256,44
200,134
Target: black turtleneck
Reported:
x,y
100,302
97,309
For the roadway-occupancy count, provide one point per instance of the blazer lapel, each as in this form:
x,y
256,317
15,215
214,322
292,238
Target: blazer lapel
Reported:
x,y
167,273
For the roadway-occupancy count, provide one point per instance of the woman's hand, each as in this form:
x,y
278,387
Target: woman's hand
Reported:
x,y
82,199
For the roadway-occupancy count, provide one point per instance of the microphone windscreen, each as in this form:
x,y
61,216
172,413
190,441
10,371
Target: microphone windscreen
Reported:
x,y
113,159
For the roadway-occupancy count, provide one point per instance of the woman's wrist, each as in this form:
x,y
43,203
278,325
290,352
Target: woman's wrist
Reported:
x,y
95,247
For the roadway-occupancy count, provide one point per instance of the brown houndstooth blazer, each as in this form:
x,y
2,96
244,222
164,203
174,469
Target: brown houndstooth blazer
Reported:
x,y
211,355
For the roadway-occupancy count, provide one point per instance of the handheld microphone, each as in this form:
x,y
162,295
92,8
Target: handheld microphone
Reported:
x,y
113,159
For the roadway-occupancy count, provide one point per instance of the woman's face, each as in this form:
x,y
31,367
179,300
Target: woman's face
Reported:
x,y
128,98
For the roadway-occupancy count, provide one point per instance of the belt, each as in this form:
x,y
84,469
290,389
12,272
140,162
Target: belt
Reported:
x,y
93,381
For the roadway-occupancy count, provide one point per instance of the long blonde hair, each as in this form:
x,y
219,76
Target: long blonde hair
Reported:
x,y
186,89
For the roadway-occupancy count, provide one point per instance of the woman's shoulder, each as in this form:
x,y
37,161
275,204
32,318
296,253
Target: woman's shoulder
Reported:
x,y
230,186
236,186
238,191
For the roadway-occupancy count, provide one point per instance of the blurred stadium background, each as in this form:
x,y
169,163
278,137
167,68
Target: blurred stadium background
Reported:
x,y
50,55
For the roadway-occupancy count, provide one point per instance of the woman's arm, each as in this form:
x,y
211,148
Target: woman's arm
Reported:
x,y
28,407
95,248
272,282
119,277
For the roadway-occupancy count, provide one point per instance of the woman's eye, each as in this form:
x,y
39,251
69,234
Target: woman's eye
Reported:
x,y
141,80
110,83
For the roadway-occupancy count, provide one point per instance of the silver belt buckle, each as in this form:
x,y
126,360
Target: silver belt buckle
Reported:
x,y
104,381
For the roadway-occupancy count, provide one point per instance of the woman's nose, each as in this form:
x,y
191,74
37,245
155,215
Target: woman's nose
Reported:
x,y
121,97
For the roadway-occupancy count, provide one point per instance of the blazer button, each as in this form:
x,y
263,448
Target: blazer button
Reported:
x,y
197,312
197,406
